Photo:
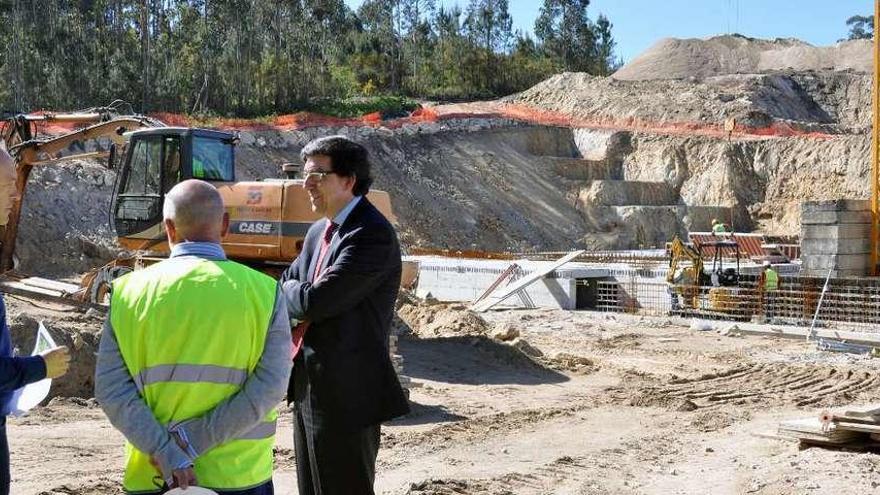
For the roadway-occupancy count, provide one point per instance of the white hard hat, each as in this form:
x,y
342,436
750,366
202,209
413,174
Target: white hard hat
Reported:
x,y
193,490
766,263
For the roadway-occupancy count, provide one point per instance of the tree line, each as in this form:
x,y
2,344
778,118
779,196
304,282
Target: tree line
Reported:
x,y
259,57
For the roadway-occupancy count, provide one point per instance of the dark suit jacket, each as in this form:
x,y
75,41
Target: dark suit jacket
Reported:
x,y
344,368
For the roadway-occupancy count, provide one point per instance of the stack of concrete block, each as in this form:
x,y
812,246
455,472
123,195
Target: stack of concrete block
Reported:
x,y
836,236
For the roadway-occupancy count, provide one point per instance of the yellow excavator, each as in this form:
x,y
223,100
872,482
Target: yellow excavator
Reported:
x,y
687,274
268,218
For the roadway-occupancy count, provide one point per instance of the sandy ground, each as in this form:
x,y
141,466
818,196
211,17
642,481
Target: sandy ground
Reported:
x,y
615,404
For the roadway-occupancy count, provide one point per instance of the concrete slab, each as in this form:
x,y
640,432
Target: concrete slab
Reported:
x,y
811,247
840,261
810,207
845,231
835,217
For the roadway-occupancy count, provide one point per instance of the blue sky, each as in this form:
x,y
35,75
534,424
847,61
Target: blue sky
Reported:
x,y
640,23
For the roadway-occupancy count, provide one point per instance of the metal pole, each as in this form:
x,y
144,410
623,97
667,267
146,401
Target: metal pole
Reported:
x,y
875,143
819,306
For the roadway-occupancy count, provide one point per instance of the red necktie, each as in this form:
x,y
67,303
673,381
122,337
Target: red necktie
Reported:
x,y
299,331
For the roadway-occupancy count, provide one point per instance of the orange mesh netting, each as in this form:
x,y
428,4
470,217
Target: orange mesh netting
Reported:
x,y
475,110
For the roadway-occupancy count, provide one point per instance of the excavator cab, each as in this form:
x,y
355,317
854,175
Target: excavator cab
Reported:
x,y
722,276
153,161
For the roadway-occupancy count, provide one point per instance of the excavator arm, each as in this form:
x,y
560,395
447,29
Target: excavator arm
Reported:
x,y
27,151
685,279
679,252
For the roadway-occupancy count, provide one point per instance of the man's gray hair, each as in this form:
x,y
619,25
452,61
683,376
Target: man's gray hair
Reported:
x,y
195,206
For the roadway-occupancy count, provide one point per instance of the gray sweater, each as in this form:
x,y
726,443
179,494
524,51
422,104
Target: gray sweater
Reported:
x,y
117,393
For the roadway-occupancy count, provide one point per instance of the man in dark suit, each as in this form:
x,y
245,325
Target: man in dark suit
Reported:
x,y
342,289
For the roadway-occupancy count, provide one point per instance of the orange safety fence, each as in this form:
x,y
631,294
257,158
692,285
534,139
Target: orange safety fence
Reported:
x,y
476,110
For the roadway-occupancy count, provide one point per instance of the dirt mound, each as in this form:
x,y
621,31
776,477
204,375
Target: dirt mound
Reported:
x,y
673,58
761,102
441,320
79,332
64,409
708,421
454,487
104,487
564,361
64,225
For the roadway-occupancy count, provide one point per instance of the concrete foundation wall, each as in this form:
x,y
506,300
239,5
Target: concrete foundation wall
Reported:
x,y
461,280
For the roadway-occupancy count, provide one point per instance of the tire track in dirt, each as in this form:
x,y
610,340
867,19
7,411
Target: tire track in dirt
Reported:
x,y
770,384
564,475
475,430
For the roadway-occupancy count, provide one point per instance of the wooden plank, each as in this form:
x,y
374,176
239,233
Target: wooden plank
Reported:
x,y
812,430
866,411
21,288
829,417
862,427
524,282
51,284
504,275
24,290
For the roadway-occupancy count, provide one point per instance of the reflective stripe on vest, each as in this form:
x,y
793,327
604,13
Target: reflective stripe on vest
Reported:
x,y
190,332
190,373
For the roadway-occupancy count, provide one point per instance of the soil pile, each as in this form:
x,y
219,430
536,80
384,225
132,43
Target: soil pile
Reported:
x,y
78,331
828,102
426,320
673,58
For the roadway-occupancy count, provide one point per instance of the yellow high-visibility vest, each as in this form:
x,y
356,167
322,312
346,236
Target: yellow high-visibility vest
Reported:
x,y
190,332
771,279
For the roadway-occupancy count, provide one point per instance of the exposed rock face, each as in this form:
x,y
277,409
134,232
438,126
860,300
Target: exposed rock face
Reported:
x,y
495,184
512,188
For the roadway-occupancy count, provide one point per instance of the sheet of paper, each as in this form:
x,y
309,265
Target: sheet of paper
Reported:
x,y
25,398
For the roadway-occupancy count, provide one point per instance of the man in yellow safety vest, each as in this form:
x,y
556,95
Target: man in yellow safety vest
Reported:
x,y
769,277
768,283
194,357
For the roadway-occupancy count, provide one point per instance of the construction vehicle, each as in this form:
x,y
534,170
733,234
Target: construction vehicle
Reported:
x,y
268,218
685,275
688,274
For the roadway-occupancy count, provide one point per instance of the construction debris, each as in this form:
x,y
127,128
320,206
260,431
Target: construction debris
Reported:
x,y
846,347
490,298
812,431
506,333
850,427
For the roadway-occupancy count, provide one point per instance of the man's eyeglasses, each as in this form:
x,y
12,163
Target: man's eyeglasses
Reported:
x,y
317,176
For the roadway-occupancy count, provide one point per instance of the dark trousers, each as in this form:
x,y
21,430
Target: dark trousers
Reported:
x,y
5,477
332,460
